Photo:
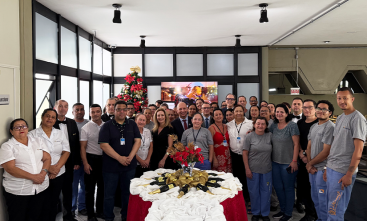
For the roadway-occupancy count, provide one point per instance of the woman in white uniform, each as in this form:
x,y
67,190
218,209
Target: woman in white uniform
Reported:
x,y
26,161
59,150
146,147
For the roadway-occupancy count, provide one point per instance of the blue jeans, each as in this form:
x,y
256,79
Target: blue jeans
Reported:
x,y
110,185
319,194
205,166
284,184
260,189
338,199
78,197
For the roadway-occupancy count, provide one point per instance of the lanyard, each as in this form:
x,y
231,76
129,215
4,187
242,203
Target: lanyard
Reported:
x,y
143,138
224,137
238,130
193,134
120,127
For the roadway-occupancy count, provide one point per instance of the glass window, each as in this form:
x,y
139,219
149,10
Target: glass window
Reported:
x,y
107,63
158,65
154,93
98,93
125,62
85,54
68,48
69,92
220,64
46,39
106,92
248,90
97,59
190,65
84,97
117,88
248,64
223,90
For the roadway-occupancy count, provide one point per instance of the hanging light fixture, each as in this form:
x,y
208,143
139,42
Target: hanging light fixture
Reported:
x,y
238,41
263,13
142,41
117,13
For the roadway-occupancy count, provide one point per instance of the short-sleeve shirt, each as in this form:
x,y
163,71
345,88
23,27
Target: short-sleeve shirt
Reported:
x,y
149,126
90,133
56,143
283,146
347,128
203,139
111,134
146,139
238,130
27,158
81,124
320,135
259,148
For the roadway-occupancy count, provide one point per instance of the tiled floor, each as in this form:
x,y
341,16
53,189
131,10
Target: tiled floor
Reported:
x,y
296,216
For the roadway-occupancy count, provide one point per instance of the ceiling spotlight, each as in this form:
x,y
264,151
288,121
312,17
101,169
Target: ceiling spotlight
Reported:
x,y
238,41
142,41
326,42
117,14
263,13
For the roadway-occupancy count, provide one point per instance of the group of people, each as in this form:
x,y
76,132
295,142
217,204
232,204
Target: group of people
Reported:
x,y
268,147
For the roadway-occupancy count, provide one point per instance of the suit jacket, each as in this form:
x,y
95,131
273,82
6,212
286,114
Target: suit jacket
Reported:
x,y
106,118
73,134
210,121
178,128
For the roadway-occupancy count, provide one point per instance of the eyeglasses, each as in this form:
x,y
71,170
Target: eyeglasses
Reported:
x,y
307,108
20,127
230,99
121,109
206,108
264,111
130,108
324,110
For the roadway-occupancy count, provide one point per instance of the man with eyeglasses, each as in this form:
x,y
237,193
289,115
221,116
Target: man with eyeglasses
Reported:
x,y
303,183
119,139
130,111
297,109
345,155
253,101
206,115
265,112
320,139
230,101
110,109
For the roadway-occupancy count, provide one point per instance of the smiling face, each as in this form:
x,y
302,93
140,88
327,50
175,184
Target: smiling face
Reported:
x,y
260,125
229,116
148,113
242,101
218,116
130,110
272,108
95,113
238,114
264,112
120,112
263,104
254,112
230,100
171,115
206,109
197,120
62,108
280,114
49,119
308,109
19,130
78,112
253,101
323,113
141,121
192,110
182,110
161,117
153,109
199,104
345,100
110,106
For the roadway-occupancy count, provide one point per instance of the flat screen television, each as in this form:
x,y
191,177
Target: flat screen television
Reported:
x,y
188,92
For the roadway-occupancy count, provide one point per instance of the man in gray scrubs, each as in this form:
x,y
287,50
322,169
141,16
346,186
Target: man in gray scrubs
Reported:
x,y
345,154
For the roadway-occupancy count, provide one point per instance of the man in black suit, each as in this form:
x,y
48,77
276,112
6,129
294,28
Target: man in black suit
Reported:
x,y
183,122
206,115
70,129
110,109
130,111
230,101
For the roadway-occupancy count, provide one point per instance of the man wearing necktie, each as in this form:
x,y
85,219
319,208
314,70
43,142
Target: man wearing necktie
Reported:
x,y
70,129
206,115
110,110
183,122
297,104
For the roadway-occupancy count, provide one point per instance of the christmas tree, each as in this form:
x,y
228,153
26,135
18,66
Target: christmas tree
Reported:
x,y
133,90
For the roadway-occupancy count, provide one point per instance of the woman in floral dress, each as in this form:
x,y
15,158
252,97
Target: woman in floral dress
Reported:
x,y
222,157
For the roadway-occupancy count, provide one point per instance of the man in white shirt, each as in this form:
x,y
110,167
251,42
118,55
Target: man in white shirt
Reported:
x,y
91,154
297,104
206,115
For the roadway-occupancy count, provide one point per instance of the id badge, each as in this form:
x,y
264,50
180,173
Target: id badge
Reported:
x,y
122,141
196,147
238,140
225,143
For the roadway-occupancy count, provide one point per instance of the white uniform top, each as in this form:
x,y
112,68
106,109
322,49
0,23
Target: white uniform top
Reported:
x,y
246,125
146,139
57,143
27,158
90,133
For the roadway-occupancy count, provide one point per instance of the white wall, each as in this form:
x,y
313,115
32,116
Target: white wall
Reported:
x,y
9,74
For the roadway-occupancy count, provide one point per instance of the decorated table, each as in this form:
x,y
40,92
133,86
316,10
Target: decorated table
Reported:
x,y
223,202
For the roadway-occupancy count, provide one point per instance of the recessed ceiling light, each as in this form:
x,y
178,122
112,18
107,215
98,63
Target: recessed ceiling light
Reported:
x,y
326,42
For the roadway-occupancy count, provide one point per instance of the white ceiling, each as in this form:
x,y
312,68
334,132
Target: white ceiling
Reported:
x,y
215,22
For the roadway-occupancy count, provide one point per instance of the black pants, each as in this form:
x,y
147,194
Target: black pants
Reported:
x,y
90,181
67,190
239,171
304,189
26,208
54,196
140,171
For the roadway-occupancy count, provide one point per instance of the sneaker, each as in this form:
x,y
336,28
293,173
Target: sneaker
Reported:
x,y
286,218
255,218
265,218
308,218
278,215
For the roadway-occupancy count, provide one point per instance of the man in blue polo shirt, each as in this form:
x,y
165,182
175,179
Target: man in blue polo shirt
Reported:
x,y
120,140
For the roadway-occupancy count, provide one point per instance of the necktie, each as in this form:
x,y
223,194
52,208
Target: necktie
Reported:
x,y
206,123
298,117
185,124
61,122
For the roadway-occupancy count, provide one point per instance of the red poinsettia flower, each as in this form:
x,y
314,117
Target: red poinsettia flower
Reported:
x,y
139,80
129,78
119,96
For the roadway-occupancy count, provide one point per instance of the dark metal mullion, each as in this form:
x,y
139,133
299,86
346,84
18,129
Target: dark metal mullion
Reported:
x,y
77,63
174,65
205,64
259,63
91,81
58,76
235,71
112,91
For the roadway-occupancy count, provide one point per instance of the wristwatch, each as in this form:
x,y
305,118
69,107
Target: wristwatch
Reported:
x,y
45,170
304,153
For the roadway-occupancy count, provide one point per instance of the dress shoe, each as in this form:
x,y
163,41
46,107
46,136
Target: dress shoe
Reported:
x,y
273,208
82,212
300,208
100,215
255,218
265,218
